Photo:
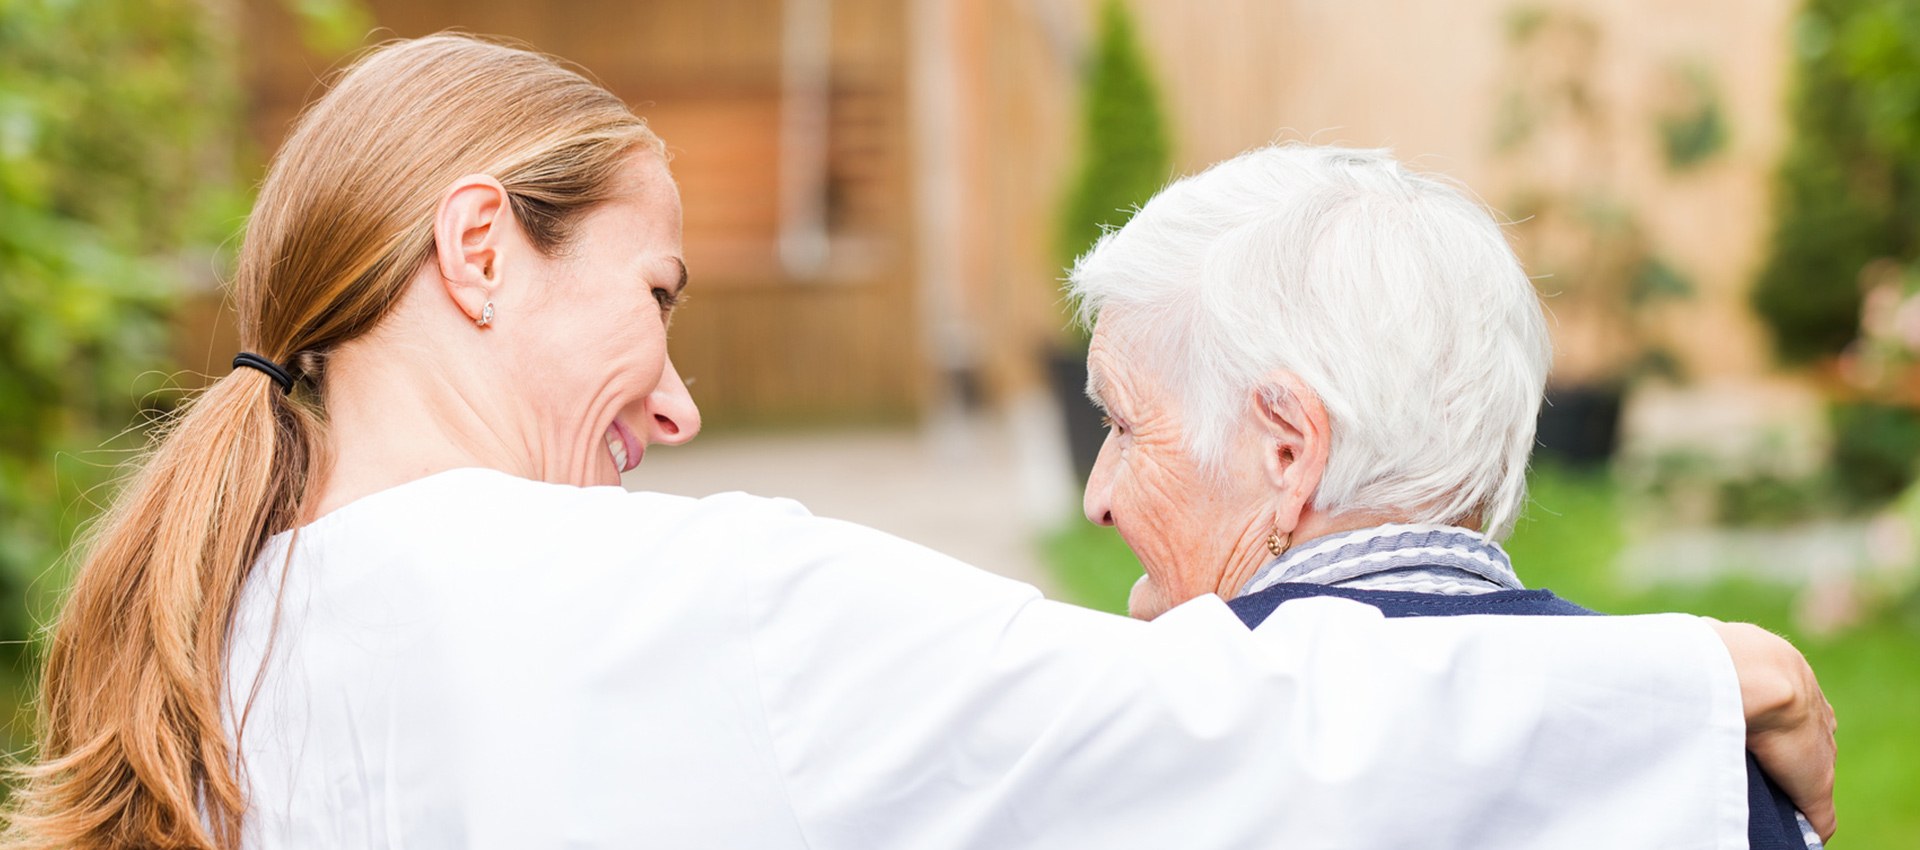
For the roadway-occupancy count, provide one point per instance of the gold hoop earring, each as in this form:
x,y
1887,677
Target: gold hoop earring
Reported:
x,y
1277,542
486,316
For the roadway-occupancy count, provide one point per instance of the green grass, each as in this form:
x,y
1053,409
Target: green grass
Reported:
x,y
1569,542
1092,566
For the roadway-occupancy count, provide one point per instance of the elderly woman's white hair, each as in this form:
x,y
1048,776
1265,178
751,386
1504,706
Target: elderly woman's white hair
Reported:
x,y
1392,294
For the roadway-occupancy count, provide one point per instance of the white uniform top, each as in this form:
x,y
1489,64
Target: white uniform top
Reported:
x,y
476,660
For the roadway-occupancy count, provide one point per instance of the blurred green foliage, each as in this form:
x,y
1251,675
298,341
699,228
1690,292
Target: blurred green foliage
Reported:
x,y
1091,565
1689,487
1125,154
331,27
1871,458
1692,134
1849,185
1875,447
121,154
118,127
1570,541
1586,241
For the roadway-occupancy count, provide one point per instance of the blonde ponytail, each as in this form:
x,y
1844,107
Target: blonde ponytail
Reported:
x,y
131,701
137,745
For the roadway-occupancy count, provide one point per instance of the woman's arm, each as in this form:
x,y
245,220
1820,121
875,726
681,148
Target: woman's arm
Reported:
x,y
915,701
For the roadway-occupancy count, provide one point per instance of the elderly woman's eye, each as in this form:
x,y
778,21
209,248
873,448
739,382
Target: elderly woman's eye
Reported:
x,y
1108,423
665,296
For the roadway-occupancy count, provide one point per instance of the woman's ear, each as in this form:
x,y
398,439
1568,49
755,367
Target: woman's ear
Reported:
x,y
1294,442
469,230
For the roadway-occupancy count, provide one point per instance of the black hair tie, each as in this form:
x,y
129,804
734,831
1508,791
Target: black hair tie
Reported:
x,y
250,360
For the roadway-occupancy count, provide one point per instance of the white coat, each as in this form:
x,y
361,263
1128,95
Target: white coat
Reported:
x,y
475,660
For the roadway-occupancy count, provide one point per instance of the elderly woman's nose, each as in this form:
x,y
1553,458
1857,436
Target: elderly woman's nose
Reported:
x,y
1098,501
676,419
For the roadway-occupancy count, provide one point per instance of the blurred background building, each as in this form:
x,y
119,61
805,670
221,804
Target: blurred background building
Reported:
x,y
872,187
1720,199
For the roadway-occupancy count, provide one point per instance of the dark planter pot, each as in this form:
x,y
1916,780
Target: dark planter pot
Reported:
x,y
1580,426
1067,373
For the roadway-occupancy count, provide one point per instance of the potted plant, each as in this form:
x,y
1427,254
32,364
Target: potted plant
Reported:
x,y
1597,265
1124,158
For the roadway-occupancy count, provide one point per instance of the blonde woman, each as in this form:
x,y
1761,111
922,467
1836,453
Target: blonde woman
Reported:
x,y
378,587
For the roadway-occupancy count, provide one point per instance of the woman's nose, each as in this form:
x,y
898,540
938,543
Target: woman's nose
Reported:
x,y
1098,501
676,419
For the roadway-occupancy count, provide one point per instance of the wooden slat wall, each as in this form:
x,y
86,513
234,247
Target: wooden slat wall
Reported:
x,y
1019,94
1424,78
799,353
759,346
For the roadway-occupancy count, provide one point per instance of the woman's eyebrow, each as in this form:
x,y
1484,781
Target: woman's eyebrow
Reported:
x,y
1097,388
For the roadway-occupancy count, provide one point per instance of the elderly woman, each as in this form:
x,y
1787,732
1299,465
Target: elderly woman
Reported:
x,y
378,587
1321,373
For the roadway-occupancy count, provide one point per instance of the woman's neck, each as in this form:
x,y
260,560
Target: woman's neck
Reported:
x,y
392,419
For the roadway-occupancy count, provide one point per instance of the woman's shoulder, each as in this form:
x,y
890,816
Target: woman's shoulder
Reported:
x,y
498,512
485,540
421,626
472,557
477,551
495,509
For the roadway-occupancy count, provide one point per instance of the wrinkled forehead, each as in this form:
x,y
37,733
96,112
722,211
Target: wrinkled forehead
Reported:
x,y
1119,353
1117,323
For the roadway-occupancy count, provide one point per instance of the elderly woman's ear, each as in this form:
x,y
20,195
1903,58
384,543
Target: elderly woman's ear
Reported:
x,y
1294,437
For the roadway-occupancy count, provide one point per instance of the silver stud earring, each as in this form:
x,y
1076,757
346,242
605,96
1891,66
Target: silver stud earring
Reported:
x,y
486,315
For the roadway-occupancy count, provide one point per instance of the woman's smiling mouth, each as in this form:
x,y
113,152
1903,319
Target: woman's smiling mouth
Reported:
x,y
623,448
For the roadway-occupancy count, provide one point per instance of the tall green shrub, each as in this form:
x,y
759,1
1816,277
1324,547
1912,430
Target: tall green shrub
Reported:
x,y
1125,155
1848,188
